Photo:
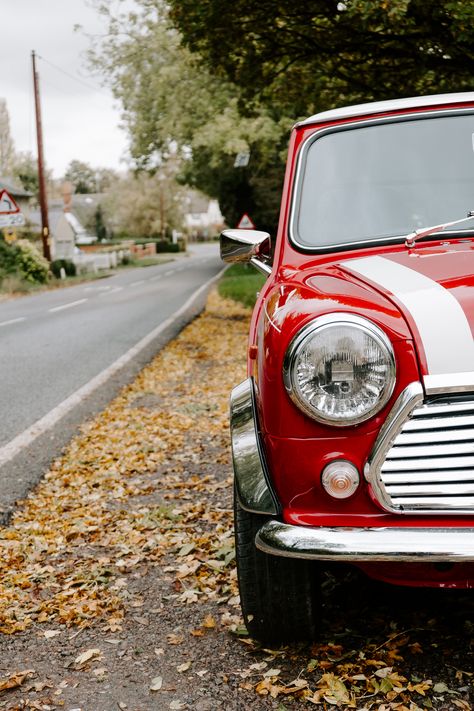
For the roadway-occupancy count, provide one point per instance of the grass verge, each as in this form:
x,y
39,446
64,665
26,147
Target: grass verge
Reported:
x,y
241,282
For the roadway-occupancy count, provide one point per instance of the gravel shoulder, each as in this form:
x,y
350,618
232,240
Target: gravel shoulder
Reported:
x,y
118,587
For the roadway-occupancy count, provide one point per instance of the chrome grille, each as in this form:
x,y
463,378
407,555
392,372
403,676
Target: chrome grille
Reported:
x,y
429,466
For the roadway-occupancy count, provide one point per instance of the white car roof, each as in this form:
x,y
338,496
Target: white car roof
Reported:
x,y
376,107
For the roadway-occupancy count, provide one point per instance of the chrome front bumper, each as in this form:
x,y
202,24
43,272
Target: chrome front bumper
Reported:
x,y
412,545
400,544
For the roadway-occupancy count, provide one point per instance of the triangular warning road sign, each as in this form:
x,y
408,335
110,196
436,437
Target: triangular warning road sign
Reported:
x,y
245,223
8,205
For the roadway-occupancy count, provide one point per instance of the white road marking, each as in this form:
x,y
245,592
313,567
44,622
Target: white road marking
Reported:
x,y
67,306
112,291
96,288
137,283
160,276
12,448
13,320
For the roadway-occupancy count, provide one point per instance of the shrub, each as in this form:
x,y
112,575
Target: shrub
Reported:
x,y
7,258
66,264
31,265
161,245
165,246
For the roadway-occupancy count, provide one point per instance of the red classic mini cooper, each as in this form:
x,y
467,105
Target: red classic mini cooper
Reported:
x,y
353,435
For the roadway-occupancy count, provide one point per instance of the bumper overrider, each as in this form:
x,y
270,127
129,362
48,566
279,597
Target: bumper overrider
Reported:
x,y
255,494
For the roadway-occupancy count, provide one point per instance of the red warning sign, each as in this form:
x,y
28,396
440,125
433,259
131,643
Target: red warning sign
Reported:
x,y
10,213
8,205
245,223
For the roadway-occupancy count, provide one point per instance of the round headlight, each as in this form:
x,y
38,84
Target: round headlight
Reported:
x,y
340,369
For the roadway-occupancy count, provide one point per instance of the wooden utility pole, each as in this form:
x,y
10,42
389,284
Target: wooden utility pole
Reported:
x,y
41,177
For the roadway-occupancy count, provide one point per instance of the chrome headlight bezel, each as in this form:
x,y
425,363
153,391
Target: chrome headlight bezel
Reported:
x,y
318,325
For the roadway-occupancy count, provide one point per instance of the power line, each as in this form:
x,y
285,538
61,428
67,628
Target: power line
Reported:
x,y
71,76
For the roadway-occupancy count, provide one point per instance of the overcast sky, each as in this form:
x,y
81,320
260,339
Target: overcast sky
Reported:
x,y
80,118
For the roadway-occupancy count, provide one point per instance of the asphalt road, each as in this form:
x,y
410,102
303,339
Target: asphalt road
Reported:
x,y
65,353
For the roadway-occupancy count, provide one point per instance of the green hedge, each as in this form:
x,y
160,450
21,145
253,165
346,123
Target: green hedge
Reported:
x,y
161,245
68,266
22,258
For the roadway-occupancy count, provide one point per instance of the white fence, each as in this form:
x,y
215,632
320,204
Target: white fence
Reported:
x,y
98,261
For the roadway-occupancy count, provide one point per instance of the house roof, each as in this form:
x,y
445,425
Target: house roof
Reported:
x,y
7,183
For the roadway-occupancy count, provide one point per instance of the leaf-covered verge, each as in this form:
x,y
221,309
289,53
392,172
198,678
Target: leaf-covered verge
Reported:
x,y
118,587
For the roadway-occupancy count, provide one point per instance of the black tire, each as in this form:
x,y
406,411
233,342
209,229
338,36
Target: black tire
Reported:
x,y
278,595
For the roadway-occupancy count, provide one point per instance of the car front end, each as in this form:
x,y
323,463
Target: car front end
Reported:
x,y
352,436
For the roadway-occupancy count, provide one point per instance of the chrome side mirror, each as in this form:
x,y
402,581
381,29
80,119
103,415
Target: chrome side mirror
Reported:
x,y
246,246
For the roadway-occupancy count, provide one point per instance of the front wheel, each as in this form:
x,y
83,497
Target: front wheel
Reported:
x,y
277,595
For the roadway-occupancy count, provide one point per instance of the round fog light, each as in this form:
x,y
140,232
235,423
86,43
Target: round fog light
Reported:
x,y
340,479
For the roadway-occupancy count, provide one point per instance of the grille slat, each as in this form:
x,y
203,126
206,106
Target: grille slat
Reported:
x,y
456,504
432,489
439,423
421,464
431,450
422,437
409,477
450,408
430,465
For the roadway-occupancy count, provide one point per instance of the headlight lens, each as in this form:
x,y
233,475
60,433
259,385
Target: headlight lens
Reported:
x,y
340,369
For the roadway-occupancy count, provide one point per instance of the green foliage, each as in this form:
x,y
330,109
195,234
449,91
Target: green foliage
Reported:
x,y
68,266
100,227
161,245
145,205
7,148
209,79
301,58
31,265
82,176
176,108
241,283
23,260
26,170
8,263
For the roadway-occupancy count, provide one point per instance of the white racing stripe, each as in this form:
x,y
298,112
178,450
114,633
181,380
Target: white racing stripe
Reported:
x,y
12,448
441,322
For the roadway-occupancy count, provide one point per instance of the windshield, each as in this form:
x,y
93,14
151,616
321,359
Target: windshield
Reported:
x,y
384,180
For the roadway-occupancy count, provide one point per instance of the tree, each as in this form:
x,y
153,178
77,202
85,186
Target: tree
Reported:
x,y
143,205
99,223
7,150
174,106
104,179
82,176
25,168
304,57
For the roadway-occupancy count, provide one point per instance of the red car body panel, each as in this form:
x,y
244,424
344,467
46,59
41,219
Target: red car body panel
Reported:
x,y
303,286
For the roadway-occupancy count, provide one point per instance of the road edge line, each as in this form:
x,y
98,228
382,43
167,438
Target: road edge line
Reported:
x,y
10,450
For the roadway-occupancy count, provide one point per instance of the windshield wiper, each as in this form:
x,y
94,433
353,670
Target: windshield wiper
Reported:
x,y
412,237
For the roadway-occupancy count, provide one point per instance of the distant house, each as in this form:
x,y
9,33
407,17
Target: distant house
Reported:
x,y
67,231
202,217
